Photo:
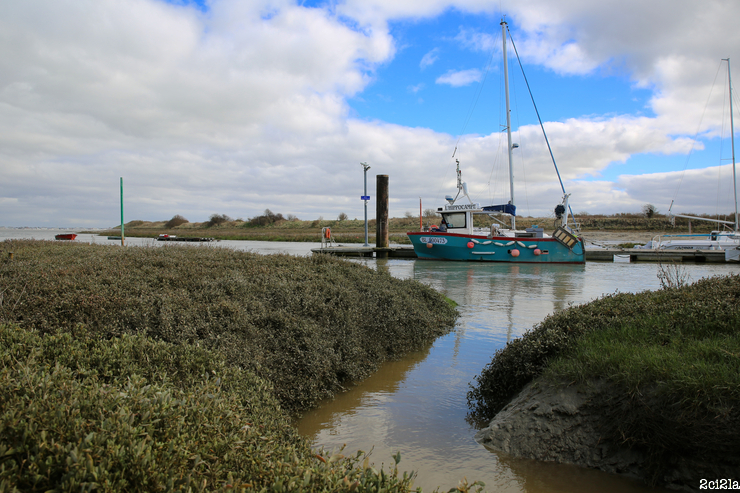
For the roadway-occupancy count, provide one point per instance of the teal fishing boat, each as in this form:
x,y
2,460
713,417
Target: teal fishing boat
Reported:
x,y
457,238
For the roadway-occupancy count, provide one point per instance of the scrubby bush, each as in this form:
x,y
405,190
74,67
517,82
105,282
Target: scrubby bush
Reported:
x,y
80,413
649,210
217,219
176,220
709,303
267,218
308,325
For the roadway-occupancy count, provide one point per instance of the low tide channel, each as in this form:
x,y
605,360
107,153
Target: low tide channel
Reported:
x,y
417,405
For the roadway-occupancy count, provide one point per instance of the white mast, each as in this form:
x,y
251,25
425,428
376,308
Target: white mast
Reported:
x,y
508,122
732,139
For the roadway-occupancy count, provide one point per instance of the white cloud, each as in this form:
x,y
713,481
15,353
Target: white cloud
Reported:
x,y
460,78
429,58
244,107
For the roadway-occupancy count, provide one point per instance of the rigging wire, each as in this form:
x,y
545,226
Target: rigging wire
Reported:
x,y
495,166
521,168
542,126
695,139
474,102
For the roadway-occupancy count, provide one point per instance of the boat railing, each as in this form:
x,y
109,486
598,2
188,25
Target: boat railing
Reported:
x,y
657,241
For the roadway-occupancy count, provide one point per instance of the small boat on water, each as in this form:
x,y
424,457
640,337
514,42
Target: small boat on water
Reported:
x,y
65,236
458,239
192,239
716,240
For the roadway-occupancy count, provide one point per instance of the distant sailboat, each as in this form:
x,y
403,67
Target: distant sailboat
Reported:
x,y
458,239
716,240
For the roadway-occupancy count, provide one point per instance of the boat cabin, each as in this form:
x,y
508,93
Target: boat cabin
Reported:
x,y
458,218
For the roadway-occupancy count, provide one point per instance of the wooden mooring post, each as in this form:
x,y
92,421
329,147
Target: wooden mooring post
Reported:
x,y
381,216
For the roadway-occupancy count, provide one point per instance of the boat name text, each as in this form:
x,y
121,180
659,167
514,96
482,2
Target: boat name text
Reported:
x,y
462,207
433,239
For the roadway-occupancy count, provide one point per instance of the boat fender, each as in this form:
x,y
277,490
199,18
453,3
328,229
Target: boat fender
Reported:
x,y
514,252
537,251
474,240
429,245
471,244
499,244
532,246
521,244
509,243
486,243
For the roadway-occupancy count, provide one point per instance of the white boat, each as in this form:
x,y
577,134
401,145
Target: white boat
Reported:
x,y
716,240
458,239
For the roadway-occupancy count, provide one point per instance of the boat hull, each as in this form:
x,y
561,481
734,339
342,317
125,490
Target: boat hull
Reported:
x,y
474,248
66,236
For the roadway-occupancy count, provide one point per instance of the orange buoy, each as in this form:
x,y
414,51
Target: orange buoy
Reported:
x,y
471,244
514,253
429,245
328,233
537,251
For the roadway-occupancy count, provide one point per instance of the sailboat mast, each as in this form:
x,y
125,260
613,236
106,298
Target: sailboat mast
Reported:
x,y
732,139
508,121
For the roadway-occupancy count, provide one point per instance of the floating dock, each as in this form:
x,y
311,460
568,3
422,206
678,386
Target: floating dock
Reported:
x,y
592,254
647,255
368,251
184,238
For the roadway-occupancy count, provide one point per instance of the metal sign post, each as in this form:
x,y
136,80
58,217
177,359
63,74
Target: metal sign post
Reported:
x,y
365,197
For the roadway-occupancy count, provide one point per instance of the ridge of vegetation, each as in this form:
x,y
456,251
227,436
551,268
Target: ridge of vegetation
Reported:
x,y
271,226
674,355
142,369
310,325
82,413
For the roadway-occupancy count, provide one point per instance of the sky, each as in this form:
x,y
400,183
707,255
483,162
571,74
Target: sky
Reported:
x,y
233,107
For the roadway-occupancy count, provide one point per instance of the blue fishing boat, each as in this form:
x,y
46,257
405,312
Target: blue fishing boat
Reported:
x,y
457,238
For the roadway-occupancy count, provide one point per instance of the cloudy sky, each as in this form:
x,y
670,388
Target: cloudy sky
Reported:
x,y
236,106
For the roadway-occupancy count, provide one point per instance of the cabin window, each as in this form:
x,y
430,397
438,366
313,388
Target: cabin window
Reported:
x,y
455,219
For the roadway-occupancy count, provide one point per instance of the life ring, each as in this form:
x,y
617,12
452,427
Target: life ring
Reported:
x,y
327,233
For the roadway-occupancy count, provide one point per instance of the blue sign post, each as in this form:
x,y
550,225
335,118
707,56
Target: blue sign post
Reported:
x,y
365,197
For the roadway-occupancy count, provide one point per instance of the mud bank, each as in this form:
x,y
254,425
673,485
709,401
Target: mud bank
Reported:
x,y
569,423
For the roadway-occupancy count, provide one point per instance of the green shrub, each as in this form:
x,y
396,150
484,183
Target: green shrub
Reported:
x,y
708,307
79,413
308,325
176,220
218,219
672,357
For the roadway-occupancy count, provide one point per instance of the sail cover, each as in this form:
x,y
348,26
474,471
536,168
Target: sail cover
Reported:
x,y
505,208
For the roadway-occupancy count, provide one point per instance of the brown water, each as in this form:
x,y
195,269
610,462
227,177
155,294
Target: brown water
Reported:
x,y
417,405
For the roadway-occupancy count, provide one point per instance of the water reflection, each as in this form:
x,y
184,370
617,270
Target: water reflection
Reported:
x,y
424,416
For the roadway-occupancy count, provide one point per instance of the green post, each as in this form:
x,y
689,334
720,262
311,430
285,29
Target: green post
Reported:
x,y
121,211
